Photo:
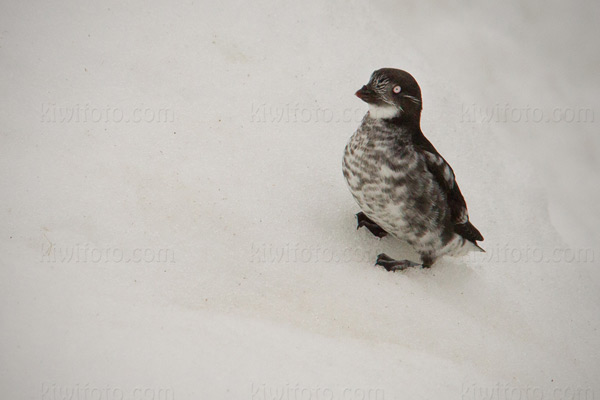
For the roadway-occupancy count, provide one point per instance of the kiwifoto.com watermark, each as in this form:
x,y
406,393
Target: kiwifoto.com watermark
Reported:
x,y
86,113
270,253
507,113
87,253
503,391
53,391
280,253
299,392
496,253
294,113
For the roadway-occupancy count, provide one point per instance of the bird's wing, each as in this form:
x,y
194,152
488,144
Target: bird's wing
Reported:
x,y
444,176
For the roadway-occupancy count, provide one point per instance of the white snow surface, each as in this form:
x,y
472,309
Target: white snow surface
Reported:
x,y
269,290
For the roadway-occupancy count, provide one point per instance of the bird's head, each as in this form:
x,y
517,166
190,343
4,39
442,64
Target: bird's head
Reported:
x,y
392,93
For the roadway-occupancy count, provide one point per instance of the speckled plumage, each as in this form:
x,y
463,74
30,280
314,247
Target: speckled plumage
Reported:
x,y
398,178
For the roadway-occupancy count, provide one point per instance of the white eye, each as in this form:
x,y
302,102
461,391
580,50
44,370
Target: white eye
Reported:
x,y
397,89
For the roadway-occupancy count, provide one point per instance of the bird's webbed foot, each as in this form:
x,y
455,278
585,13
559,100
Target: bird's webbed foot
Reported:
x,y
394,265
363,220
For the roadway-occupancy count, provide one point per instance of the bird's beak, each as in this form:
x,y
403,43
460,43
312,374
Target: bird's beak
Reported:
x,y
367,95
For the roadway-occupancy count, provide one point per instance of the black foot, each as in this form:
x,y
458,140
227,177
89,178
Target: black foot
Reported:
x,y
368,223
394,265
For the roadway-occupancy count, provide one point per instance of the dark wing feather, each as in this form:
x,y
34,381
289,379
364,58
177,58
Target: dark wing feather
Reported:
x,y
444,175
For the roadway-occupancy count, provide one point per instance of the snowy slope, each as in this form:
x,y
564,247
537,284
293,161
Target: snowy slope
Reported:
x,y
231,165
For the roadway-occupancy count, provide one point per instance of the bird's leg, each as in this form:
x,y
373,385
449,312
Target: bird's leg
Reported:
x,y
427,260
394,265
368,223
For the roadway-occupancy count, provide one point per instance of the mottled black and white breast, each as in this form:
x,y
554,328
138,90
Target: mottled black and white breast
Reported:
x,y
392,186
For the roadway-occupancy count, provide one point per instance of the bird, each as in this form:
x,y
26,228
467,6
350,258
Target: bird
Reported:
x,y
402,184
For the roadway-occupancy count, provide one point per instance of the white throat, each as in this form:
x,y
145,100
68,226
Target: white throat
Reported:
x,y
383,112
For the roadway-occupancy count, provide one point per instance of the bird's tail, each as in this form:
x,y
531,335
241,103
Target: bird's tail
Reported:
x,y
466,247
477,247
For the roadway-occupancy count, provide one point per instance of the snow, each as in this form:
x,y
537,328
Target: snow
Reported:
x,y
232,169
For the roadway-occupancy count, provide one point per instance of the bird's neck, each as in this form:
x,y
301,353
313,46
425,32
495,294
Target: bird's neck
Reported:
x,y
410,117
377,111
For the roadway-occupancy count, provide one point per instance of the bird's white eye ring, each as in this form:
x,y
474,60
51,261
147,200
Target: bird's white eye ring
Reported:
x,y
397,89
